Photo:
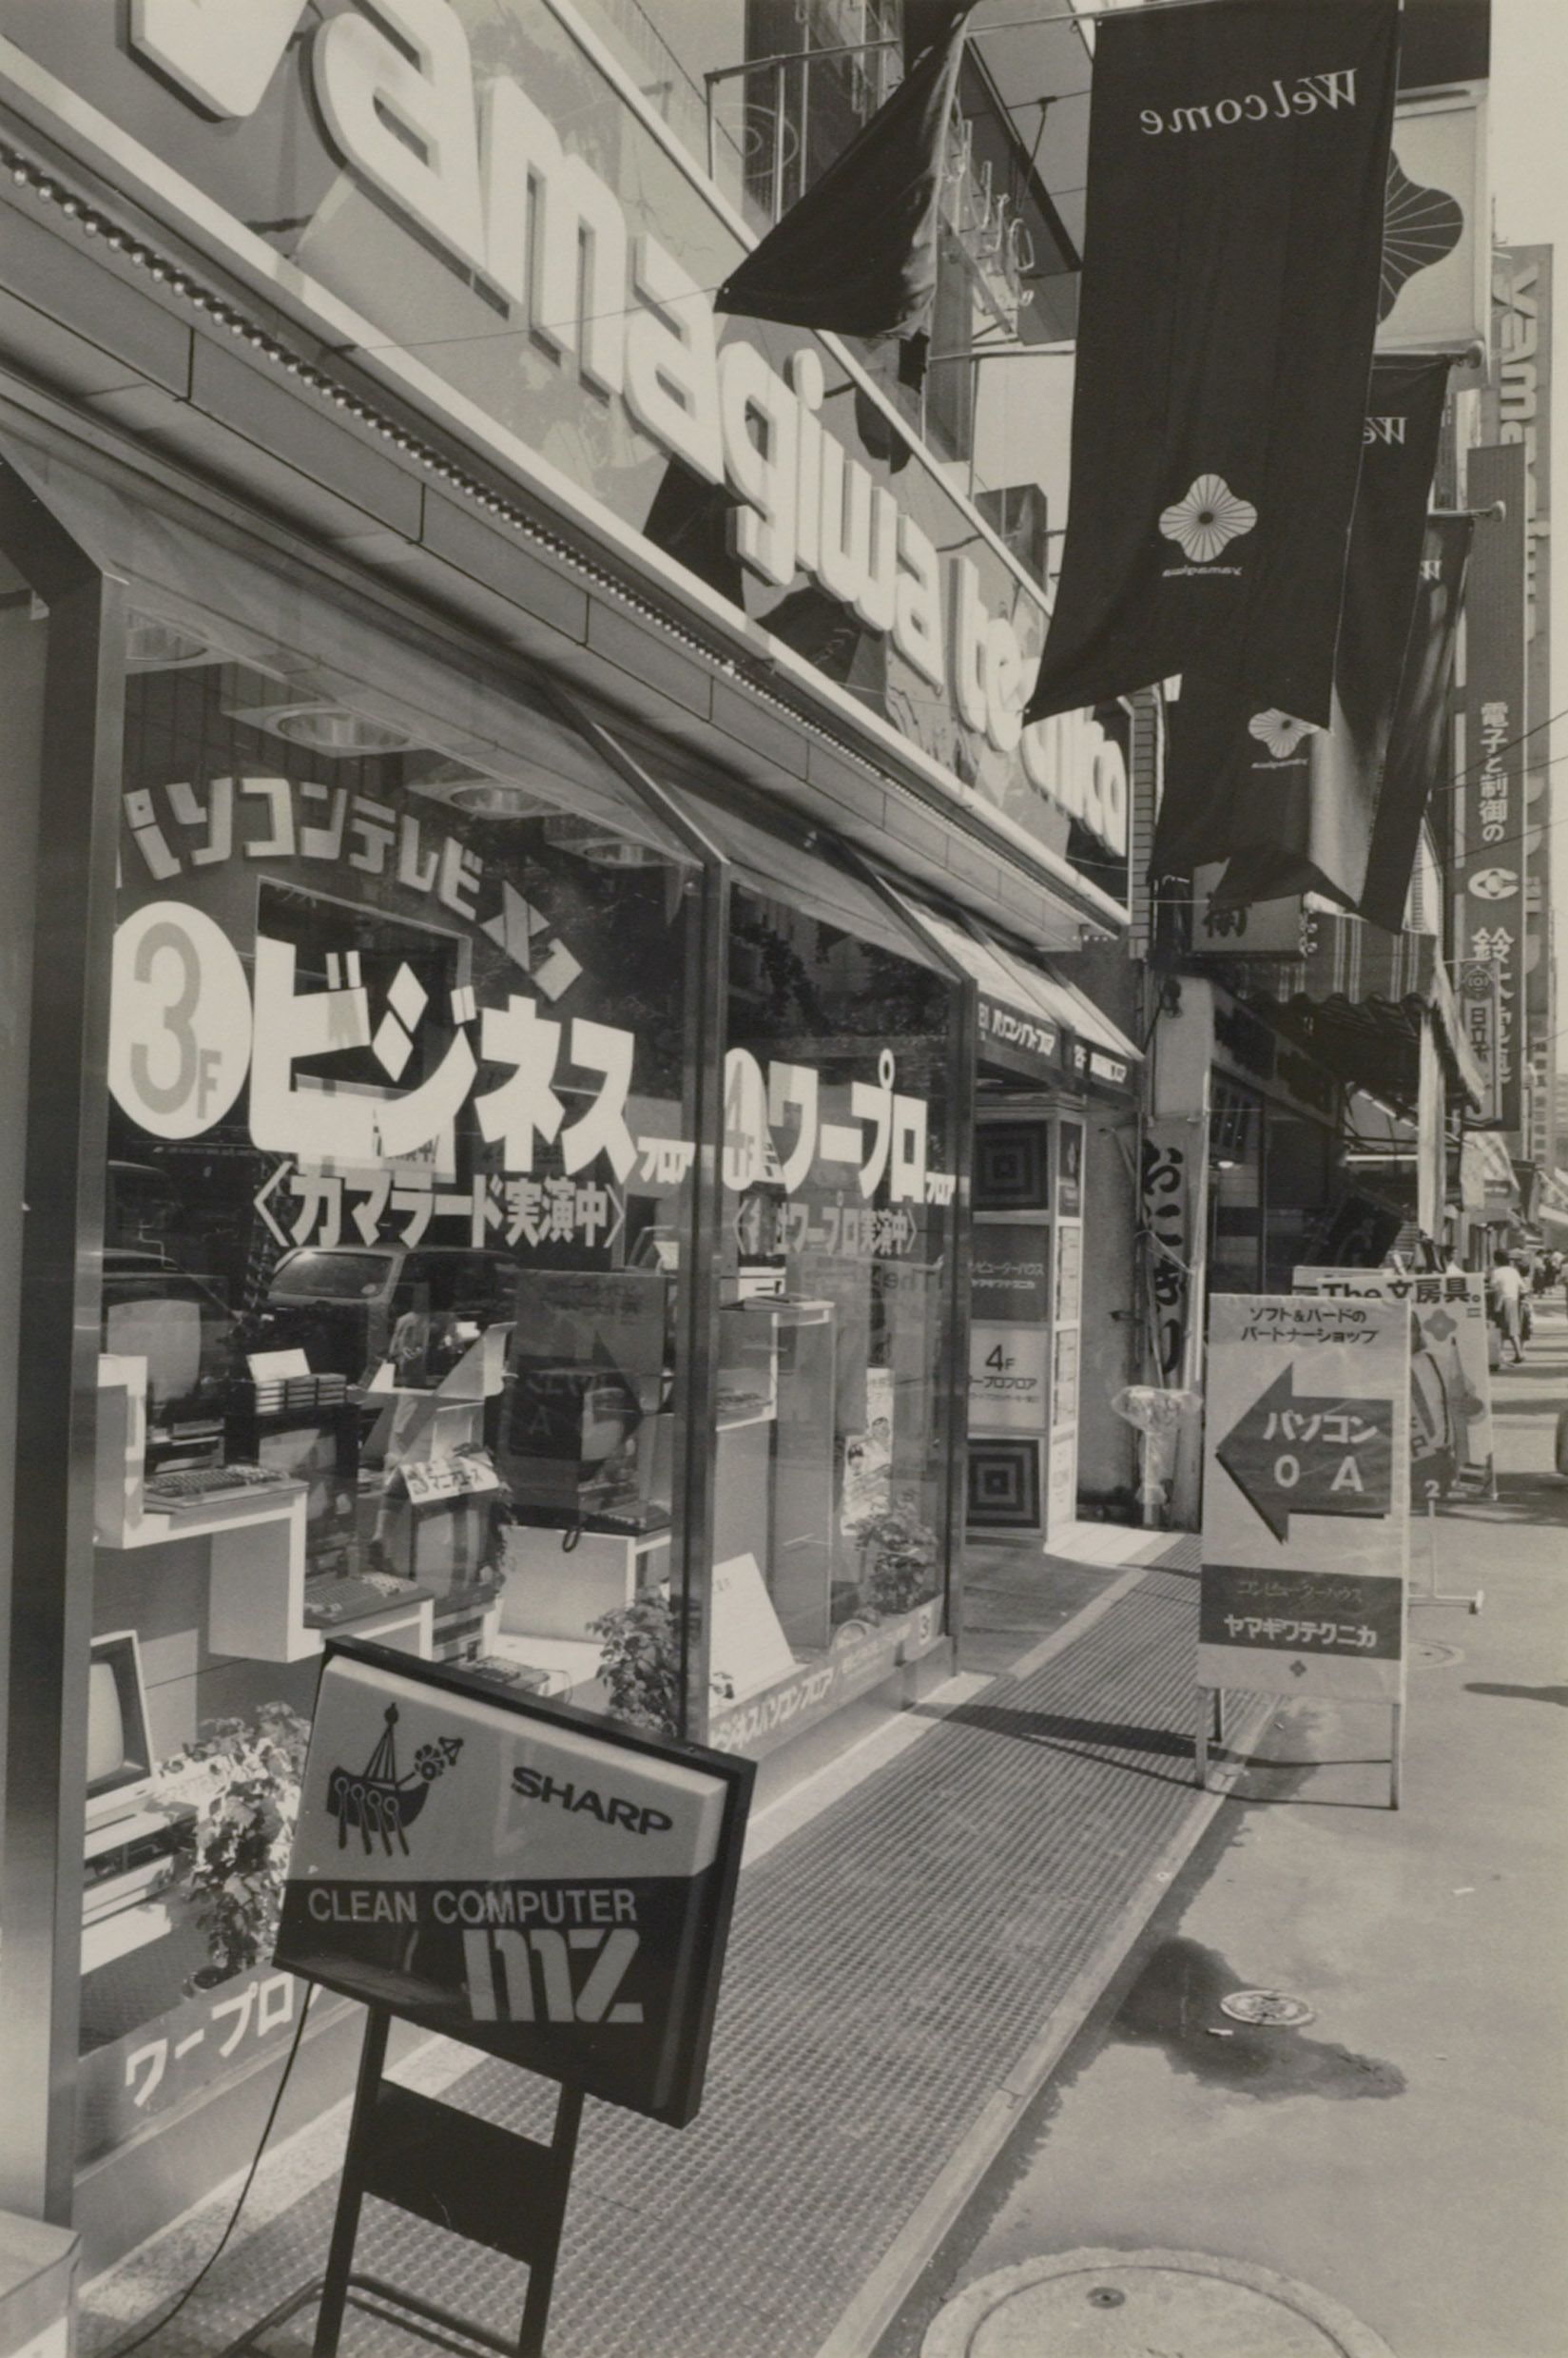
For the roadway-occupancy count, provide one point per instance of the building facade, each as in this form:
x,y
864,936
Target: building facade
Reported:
x,y
539,946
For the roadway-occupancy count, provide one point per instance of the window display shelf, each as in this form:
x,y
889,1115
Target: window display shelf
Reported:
x,y
568,1666
740,1418
256,1584
155,1530
123,1933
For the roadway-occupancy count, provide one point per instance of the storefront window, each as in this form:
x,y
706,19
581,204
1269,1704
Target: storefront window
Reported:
x,y
835,1410
399,1212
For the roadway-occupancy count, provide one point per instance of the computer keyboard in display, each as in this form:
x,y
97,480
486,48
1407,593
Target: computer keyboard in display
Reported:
x,y
331,1601
215,1489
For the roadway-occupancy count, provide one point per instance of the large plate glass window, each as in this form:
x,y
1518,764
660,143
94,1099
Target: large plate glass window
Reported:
x,y
399,1217
834,1384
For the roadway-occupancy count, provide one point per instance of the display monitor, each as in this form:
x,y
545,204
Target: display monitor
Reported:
x,y
179,1325
119,1745
316,1454
584,1366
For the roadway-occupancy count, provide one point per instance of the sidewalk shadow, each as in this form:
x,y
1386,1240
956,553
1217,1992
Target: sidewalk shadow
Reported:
x,y
1534,1494
1097,1740
1294,1775
1516,1694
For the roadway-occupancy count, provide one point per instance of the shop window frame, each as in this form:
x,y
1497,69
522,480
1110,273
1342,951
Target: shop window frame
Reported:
x,y
45,1635
52,1522
953,1379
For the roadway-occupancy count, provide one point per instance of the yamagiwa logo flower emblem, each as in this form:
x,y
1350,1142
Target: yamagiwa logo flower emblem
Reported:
x,y
1207,519
1280,732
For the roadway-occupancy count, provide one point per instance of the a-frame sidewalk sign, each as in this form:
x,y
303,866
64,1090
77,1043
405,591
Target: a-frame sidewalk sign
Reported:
x,y
550,1886
1306,1505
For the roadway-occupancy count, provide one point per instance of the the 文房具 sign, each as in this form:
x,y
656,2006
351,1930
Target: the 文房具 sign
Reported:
x,y
1450,1379
549,1888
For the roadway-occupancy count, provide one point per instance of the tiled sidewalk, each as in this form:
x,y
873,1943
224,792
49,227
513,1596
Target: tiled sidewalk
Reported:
x,y
892,1961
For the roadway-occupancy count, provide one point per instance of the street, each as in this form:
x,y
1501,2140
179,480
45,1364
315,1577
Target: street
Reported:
x,y
1402,2152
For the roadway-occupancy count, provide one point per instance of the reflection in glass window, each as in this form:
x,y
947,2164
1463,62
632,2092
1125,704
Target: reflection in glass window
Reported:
x,y
399,1198
830,1490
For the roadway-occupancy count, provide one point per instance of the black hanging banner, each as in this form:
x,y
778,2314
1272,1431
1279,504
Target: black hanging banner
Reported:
x,y
1415,767
1293,809
1238,154
856,254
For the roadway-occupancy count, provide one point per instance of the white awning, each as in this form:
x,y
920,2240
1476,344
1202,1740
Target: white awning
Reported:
x,y
1019,1025
1097,1029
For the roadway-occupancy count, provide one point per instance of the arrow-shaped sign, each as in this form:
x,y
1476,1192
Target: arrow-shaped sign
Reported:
x,y
1314,1456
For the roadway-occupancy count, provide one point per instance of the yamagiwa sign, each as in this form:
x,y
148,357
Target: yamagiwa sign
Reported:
x,y
550,1888
473,201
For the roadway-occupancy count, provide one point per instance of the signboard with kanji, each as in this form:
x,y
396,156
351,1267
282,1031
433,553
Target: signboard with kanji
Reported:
x,y
1307,1497
1480,1013
1490,898
550,1888
1450,1380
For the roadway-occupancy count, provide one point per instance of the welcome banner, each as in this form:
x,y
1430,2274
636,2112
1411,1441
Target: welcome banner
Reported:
x,y
1293,808
1238,155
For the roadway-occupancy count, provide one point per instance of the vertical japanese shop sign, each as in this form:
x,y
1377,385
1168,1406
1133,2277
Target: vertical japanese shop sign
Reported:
x,y
1307,1498
1490,869
1450,1381
1480,1013
507,1874
1166,1186
1516,407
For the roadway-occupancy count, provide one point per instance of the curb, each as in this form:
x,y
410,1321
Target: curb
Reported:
x,y
883,2295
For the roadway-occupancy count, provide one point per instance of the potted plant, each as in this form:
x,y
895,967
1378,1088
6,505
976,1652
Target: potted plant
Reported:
x,y
640,1666
899,1553
243,1779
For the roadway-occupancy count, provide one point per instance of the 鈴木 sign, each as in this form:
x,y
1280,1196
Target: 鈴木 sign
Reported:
x,y
1307,1497
549,1888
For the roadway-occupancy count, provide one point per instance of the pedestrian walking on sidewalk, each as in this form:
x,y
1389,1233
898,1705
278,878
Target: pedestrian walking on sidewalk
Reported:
x,y
1507,1299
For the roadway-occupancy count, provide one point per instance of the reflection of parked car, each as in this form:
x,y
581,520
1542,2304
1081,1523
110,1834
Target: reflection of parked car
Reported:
x,y
341,1304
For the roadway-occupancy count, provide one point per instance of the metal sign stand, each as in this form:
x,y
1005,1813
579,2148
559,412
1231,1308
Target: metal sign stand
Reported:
x,y
1210,1708
468,2176
1431,1593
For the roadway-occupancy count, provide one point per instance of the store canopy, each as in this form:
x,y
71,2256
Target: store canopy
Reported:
x,y
1357,998
1102,1050
1019,1028
294,652
779,864
1488,1182
1030,1020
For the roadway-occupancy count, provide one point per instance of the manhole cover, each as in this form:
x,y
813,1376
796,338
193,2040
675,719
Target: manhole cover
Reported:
x,y
1125,2304
1435,1655
1269,2007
